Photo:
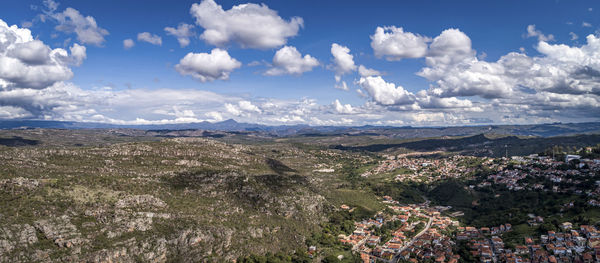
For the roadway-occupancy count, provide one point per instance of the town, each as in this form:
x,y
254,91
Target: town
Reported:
x,y
423,232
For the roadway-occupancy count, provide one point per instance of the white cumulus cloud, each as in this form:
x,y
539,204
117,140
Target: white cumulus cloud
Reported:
x,y
342,108
386,93
128,43
208,66
366,72
150,38
250,25
394,44
183,33
533,32
288,60
343,61
29,63
72,21
341,85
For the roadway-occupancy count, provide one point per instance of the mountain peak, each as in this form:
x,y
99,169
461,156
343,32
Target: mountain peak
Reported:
x,y
229,121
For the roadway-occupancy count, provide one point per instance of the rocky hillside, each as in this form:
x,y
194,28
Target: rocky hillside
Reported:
x,y
177,199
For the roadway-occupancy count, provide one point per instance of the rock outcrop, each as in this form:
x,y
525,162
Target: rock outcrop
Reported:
x,y
61,231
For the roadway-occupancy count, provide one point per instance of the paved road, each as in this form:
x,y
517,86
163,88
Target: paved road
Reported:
x,y
412,241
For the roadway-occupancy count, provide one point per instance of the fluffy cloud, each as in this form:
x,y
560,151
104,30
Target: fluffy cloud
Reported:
x,y
65,101
248,106
453,67
208,66
395,44
150,38
341,85
72,21
29,63
432,102
429,117
385,93
343,61
243,107
250,25
128,43
388,94
10,112
478,78
367,72
342,108
559,84
562,79
450,47
214,116
78,54
288,60
183,32
566,70
33,52
232,109
533,32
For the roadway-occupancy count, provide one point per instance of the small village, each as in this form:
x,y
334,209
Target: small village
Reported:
x,y
568,245
433,234
425,234
424,170
535,172
422,234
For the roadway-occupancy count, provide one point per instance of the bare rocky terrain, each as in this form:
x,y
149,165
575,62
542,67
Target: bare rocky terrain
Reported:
x,y
114,199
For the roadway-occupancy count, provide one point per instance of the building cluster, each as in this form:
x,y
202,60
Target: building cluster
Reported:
x,y
424,235
570,245
421,234
486,243
422,169
542,173
433,245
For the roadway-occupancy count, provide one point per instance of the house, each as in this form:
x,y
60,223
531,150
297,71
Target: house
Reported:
x,y
394,247
566,226
592,242
521,250
587,257
528,241
365,258
485,230
559,251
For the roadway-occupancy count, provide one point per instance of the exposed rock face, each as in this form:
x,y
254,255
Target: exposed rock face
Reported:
x,y
189,163
124,221
16,236
198,200
60,231
154,251
200,243
18,185
125,218
141,201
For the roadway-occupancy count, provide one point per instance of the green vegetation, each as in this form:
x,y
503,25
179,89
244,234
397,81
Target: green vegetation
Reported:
x,y
247,198
275,258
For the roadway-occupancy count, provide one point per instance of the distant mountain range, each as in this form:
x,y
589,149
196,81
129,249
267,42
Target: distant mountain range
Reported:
x,y
538,130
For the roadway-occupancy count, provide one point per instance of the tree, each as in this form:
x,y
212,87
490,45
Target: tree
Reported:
x,y
330,259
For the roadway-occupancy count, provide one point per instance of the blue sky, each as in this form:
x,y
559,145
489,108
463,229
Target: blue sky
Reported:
x,y
125,85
